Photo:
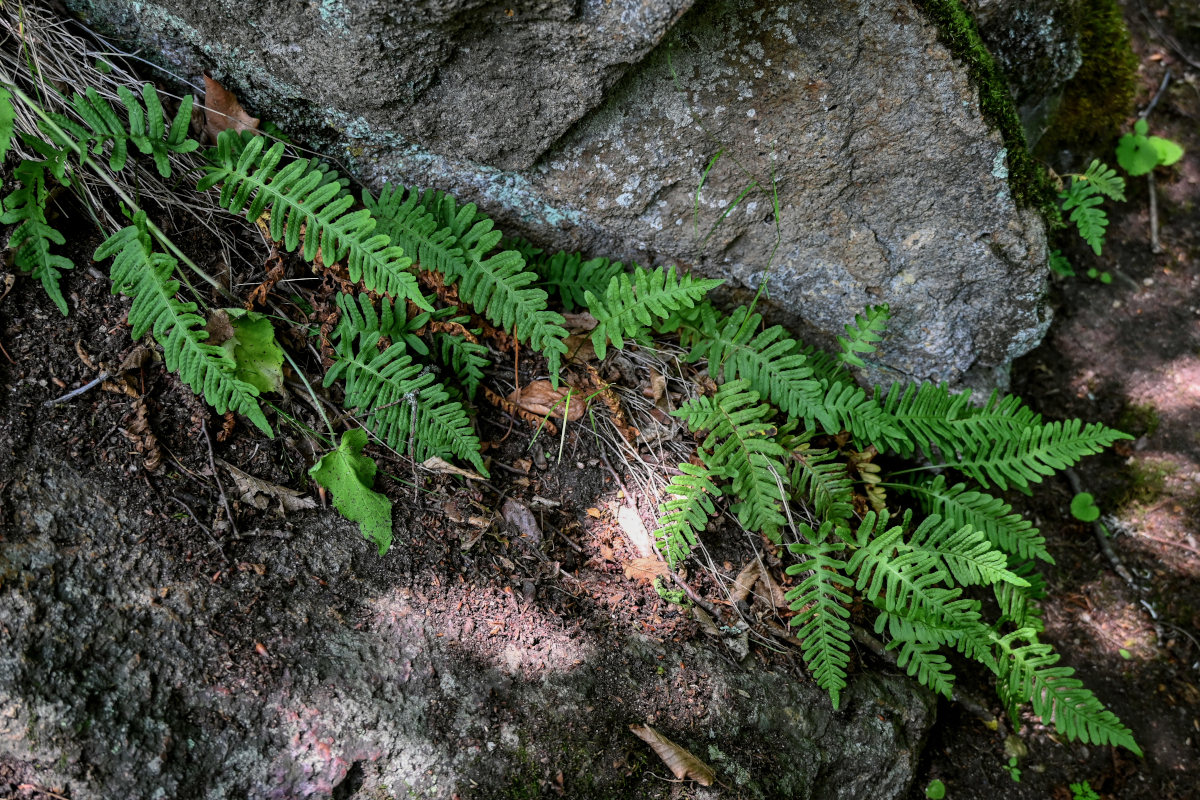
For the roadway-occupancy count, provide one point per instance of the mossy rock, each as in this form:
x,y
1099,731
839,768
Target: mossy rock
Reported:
x,y
1098,99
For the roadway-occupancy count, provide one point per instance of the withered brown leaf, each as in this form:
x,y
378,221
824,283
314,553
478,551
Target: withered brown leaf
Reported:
x,y
223,112
682,763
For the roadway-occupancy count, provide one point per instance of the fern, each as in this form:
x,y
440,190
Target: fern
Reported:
x,y
145,276
1083,197
571,278
1036,452
25,207
402,402
822,607
467,359
1028,672
862,335
931,417
824,482
685,515
631,305
456,241
740,448
993,517
769,361
847,407
300,194
924,662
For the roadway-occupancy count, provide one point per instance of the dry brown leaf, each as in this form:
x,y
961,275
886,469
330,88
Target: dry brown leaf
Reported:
x,y
259,493
544,400
519,516
681,763
743,584
657,388
223,112
774,592
581,322
646,568
707,625
141,436
580,348
437,464
9,280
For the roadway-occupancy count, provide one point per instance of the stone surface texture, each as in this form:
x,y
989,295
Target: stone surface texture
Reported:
x,y
589,125
1036,43
115,684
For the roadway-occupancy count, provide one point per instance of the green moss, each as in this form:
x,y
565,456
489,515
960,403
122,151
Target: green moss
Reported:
x,y
1147,483
1098,99
1139,419
957,31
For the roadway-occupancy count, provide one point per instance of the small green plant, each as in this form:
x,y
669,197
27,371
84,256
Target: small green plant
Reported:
x,y
1083,791
1138,153
1013,770
936,790
1082,196
1084,508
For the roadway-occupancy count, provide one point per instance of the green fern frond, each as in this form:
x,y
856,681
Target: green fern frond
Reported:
x,y
741,448
1019,604
8,119
862,335
925,663
571,278
1104,181
145,276
992,516
1085,194
824,482
301,194
770,361
466,358
1035,453
932,417
682,518
964,630
30,242
822,606
968,555
458,242
146,128
632,304
403,403
1027,672
847,407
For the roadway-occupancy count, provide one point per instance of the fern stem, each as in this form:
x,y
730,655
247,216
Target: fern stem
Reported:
x,y
86,161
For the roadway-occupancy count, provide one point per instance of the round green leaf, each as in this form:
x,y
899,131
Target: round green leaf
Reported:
x,y
1168,152
1136,155
1084,508
936,790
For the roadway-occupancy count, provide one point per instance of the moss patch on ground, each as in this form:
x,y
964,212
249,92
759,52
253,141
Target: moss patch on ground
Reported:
x,y
1098,99
957,31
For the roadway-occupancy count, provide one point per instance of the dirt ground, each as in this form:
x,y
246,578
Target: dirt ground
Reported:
x,y
1126,354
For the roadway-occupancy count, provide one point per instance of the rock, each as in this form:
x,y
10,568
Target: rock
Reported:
x,y
314,668
591,126
1036,43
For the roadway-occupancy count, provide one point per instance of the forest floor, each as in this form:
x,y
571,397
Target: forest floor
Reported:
x,y
1126,354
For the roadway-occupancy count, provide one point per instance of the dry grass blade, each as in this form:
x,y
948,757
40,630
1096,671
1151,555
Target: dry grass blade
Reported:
x,y
681,763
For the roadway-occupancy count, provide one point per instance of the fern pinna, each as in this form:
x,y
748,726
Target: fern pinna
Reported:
x,y
402,402
1083,197
61,143
146,277
920,578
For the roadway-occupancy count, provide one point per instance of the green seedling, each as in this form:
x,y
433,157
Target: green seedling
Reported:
x,y
1084,508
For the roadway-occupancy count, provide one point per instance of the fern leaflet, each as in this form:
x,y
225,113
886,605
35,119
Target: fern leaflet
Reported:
x,y
862,335
990,515
823,608
145,276
466,358
685,515
571,278
301,194
1028,672
825,483
30,242
1084,195
926,664
631,305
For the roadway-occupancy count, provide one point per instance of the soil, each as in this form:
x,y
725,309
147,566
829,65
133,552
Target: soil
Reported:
x,y
1126,354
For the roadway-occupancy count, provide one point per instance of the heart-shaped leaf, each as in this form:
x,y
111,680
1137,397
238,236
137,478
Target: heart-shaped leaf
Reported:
x,y
1168,152
1084,508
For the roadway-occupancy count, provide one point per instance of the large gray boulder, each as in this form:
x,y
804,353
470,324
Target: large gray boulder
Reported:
x,y
589,125
311,667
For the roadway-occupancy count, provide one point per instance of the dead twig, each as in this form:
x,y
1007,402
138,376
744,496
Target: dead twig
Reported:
x,y
217,478
71,395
